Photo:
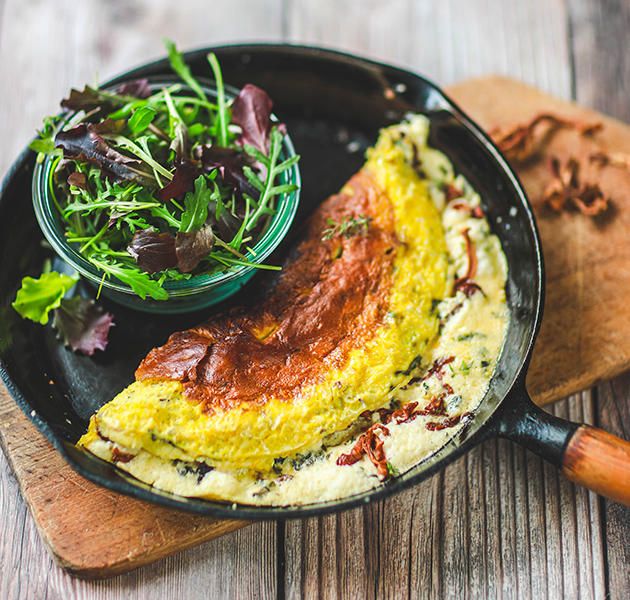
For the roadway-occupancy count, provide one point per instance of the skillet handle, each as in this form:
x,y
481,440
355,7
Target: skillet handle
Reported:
x,y
599,461
587,455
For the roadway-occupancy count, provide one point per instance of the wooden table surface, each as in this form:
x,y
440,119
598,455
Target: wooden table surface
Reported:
x,y
498,522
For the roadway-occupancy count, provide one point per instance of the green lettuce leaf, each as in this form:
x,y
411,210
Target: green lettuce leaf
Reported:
x,y
37,297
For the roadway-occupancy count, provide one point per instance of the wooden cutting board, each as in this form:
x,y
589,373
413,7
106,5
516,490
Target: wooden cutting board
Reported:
x,y
585,337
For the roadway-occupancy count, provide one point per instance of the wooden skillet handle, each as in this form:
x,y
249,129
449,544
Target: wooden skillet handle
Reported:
x,y
599,461
589,456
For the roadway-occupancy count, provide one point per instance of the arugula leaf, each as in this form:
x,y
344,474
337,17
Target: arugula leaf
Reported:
x,y
136,147
161,212
82,325
141,119
273,169
37,297
228,261
139,281
44,146
222,111
45,143
181,68
178,130
196,129
196,205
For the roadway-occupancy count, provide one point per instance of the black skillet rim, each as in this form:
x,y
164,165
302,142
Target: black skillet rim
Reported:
x,y
127,485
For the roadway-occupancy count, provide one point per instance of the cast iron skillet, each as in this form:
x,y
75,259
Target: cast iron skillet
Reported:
x,y
334,105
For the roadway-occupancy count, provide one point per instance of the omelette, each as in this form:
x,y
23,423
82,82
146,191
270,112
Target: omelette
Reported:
x,y
372,349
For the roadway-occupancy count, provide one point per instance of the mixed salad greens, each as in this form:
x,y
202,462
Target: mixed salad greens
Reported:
x,y
155,185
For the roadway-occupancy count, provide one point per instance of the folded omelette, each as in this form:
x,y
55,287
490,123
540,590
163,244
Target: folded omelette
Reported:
x,y
371,350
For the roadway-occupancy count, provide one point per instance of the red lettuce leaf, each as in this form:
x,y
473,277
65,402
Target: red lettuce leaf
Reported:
x,y
85,144
82,325
192,247
182,182
90,99
229,163
153,251
138,88
77,180
251,111
87,99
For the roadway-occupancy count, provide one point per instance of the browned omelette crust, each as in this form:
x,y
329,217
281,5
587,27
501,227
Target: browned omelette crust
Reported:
x,y
328,300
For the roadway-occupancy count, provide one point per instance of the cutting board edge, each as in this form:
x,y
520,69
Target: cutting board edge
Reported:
x,y
11,413
132,563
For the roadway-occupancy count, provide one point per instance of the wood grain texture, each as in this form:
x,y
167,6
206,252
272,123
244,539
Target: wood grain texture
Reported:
x,y
567,553
614,415
599,61
450,40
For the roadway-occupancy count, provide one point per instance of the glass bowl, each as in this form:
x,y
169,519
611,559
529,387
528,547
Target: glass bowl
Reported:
x,y
200,291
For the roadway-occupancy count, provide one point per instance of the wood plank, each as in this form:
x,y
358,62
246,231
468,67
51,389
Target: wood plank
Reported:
x,y
449,40
233,566
363,26
602,81
614,415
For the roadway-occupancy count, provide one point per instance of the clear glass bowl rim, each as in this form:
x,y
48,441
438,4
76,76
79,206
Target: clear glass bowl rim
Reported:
x,y
286,208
